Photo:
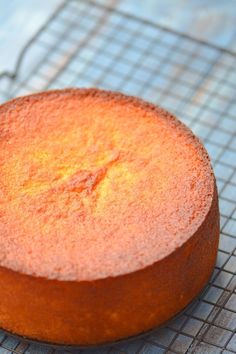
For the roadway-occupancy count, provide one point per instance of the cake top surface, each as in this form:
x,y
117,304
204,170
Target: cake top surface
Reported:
x,y
96,184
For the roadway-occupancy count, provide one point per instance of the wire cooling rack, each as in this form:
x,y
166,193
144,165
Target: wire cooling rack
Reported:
x,y
86,44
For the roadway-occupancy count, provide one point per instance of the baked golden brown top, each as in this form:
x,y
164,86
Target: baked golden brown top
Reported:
x,y
96,184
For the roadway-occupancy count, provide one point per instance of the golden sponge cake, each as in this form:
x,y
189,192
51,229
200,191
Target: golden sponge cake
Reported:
x,y
109,220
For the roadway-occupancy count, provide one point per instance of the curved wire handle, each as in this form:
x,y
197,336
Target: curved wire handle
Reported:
x,y
13,75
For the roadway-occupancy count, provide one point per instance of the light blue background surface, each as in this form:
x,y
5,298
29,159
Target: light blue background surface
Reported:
x,y
212,21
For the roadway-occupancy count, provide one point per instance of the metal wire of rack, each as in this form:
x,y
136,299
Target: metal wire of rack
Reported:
x,y
87,44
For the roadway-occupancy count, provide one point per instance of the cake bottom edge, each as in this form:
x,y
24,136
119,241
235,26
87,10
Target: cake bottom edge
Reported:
x,y
76,347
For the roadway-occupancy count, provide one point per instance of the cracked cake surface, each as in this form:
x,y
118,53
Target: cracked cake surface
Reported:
x,y
96,176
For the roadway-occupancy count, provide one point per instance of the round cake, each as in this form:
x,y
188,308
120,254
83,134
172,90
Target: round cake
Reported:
x,y
109,220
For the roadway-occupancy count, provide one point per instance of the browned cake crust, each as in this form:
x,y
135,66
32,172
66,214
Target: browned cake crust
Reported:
x,y
109,220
